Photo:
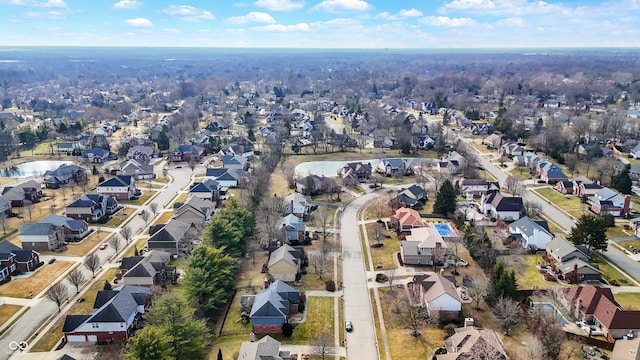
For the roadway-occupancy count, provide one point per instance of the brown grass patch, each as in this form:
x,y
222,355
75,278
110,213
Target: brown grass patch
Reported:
x,y
164,218
7,311
84,247
36,282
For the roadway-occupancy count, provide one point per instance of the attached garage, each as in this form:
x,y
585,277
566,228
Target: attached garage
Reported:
x,y
92,338
76,338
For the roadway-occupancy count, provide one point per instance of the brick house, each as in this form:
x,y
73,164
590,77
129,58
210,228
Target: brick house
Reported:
x,y
17,259
273,306
118,187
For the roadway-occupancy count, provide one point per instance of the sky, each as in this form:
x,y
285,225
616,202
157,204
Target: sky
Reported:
x,y
338,24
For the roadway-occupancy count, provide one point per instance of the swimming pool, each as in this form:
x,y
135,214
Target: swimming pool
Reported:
x,y
444,229
551,309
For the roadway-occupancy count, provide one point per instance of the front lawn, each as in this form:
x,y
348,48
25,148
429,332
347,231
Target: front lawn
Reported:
x,y
7,311
527,274
521,173
84,247
164,218
384,257
54,335
617,231
565,202
36,282
182,197
613,276
630,245
319,317
311,281
146,195
628,301
120,217
140,243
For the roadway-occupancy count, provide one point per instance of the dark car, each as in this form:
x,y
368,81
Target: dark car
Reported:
x,y
348,326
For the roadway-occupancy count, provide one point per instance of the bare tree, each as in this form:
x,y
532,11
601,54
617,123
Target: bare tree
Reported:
x,y
3,222
532,209
57,293
192,165
92,262
289,172
377,180
63,188
28,205
76,278
478,291
380,207
514,186
532,349
322,218
145,216
390,277
115,242
319,264
126,233
508,312
413,314
153,207
322,343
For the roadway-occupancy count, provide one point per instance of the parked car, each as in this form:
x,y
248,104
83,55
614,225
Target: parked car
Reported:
x,y
103,246
348,326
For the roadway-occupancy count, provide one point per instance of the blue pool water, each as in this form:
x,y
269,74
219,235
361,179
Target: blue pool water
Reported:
x,y
444,229
550,308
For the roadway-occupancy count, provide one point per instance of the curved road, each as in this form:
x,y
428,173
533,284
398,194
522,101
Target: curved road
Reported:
x,y
361,343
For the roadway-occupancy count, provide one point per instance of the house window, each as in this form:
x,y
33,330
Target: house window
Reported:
x,y
95,326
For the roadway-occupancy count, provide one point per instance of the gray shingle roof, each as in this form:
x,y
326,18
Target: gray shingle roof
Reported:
x,y
526,226
37,229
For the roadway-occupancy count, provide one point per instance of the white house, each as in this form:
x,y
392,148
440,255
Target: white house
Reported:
x,y
119,187
501,207
439,294
532,234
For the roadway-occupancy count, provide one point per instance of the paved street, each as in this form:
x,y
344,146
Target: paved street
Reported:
x,y
41,309
361,343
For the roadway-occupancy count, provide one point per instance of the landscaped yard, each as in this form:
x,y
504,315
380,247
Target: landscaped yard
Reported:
x,y
118,218
630,245
182,197
53,336
383,257
613,276
628,301
140,243
320,316
521,173
311,281
146,195
568,203
617,231
36,282
84,247
527,275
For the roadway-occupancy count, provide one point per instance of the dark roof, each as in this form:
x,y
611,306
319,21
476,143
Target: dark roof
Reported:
x,y
37,229
205,186
66,357
59,220
119,306
120,180
71,322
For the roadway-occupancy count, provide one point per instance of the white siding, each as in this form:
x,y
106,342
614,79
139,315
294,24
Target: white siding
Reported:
x,y
445,302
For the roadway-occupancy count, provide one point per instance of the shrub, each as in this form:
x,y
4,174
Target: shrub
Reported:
x,y
287,329
609,220
301,307
101,179
380,278
330,285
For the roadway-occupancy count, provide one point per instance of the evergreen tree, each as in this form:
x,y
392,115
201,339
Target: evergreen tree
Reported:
x,y
107,285
163,141
219,354
590,230
150,343
220,233
209,277
502,284
622,181
445,202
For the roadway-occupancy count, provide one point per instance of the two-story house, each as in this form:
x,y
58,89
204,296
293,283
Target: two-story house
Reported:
x,y
501,207
18,259
405,219
423,246
438,293
297,204
137,169
607,201
393,167
171,237
63,175
355,172
532,234
235,162
293,228
186,153
91,207
478,187
195,211
228,178
41,236
118,187
98,155
207,190
152,269
273,306
28,191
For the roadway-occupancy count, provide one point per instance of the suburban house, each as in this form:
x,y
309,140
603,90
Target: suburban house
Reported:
x,y
635,151
98,155
315,184
235,162
596,306
272,307
206,190
266,348
142,153
550,173
531,234
469,341
74,230
91,207
171,237
18,259
354,173
423,246
393,167
510,150
293,228
587,189
186,153
501,207
137,169
194,211
152,269
607,201
297,204
244,150
5,206
493,141
27,191
478,187
118,187
117,314
229,178
64,174
561,250
283,263
70,147
41,236
406,219
571,263
438,293
565,187
413,196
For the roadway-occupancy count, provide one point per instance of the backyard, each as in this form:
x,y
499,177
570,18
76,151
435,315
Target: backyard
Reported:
x,y
527,274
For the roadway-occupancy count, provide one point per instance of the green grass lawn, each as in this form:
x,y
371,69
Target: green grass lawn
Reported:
x,y
140,243
521,173
484,174
164,218
565,202
527,274
383,257
120,217
617,231
613,276
311,281
320,317
630,245
628,301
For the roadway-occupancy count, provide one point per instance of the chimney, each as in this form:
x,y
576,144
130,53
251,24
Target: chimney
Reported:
x,y
252,337
575,272
626,209
468,322
292,206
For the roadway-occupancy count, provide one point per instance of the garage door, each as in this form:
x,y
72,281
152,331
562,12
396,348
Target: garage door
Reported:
x,y
76,338
92,338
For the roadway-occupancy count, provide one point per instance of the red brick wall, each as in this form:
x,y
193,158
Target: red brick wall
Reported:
x,y
267,329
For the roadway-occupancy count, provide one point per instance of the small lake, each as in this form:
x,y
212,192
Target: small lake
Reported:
x,y
31,168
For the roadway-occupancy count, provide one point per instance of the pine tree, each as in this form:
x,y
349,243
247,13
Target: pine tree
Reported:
x,y
445,203
622,181
590,230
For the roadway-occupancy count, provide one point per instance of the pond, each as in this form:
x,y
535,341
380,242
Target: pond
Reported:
x,y
31,168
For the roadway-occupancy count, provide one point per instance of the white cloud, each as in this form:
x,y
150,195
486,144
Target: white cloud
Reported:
x,y
128,4
139,22
446,21
410,13
172,31
279,5
51,15
341,5
516,7
253,17
284,28
188,13
515,21
33,3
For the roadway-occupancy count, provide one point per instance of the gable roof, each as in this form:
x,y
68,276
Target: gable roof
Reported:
x,y
274,300
137,167
467,339
59,220
188,148
172,231
87,200
206,186
561,247
118,304
503,203
437,285
233,160
266,348
37,229
527,227
283,253
408,216
291,221
64,171
17,192
117,181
